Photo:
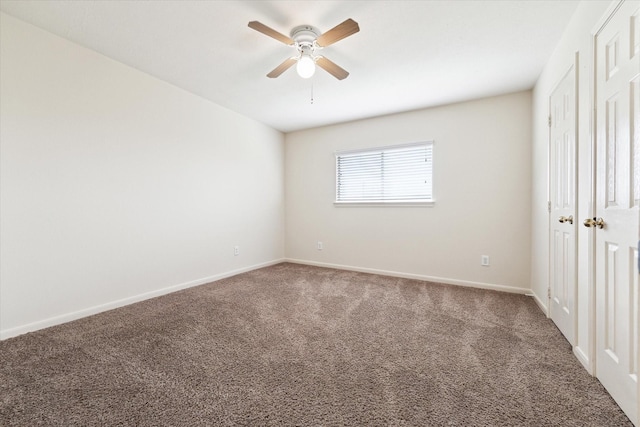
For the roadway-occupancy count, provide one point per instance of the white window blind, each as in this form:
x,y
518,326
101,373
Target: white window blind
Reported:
x,y
401,173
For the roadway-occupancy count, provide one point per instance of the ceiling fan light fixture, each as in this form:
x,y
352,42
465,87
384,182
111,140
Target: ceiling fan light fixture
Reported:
x,y
307,40
306,66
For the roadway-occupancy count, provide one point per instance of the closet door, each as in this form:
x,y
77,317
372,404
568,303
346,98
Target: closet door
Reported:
x,y
563,155
617,93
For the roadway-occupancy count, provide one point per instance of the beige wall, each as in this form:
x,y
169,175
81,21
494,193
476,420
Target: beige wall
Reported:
x,y
482,189
116,186
577,39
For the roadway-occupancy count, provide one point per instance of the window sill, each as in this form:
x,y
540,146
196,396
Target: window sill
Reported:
x,y
388,203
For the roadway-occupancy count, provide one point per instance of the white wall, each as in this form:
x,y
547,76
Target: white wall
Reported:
x,y
576,39
482,188
116,186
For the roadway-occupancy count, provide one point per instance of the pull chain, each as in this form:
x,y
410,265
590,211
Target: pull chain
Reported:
x,y
311,92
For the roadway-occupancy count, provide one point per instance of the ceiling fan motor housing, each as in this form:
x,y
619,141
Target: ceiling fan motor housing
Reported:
x,y
305,35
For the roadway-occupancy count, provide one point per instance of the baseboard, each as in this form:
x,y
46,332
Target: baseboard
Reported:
x,y
584,360
68,317
469,284
541,304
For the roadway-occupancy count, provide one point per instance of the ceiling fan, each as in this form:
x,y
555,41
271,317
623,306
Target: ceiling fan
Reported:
x,y
307,41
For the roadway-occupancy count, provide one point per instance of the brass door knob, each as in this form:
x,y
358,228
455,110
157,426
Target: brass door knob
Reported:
x,y
568,219
594,222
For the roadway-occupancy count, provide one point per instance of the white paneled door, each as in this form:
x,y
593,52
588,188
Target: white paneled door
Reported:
x,y
562,136
617,80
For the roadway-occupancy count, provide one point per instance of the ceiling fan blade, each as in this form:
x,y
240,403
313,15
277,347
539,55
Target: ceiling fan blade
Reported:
x,y
282,68
338,32
331,68
258,26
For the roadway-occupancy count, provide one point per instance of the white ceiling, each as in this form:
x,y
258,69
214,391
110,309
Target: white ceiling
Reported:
x,y
407,55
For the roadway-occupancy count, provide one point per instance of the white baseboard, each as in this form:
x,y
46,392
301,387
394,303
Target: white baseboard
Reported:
x,y
469,284
541,304
57,320
582,357
68,317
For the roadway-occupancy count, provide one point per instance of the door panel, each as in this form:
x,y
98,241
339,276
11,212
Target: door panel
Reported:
x,y
617,199
633,296
635,138
562,136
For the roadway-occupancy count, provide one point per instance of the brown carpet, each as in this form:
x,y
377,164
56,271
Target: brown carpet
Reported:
x,y
299,345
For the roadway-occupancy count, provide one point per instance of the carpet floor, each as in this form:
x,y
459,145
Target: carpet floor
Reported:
x,y
300,345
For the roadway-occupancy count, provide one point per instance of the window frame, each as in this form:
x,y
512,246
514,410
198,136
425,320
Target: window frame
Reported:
x,y
388,203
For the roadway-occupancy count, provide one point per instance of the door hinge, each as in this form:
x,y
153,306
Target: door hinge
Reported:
x,y
549,120
549,293
549,207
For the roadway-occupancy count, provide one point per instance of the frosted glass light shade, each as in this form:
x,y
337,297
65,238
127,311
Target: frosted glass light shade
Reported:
x,y
306,67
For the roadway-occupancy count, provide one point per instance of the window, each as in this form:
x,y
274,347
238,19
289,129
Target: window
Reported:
x,y
400,174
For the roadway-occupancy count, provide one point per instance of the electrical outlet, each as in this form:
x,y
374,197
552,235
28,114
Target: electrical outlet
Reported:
x,y
319,246
236,250
484,260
